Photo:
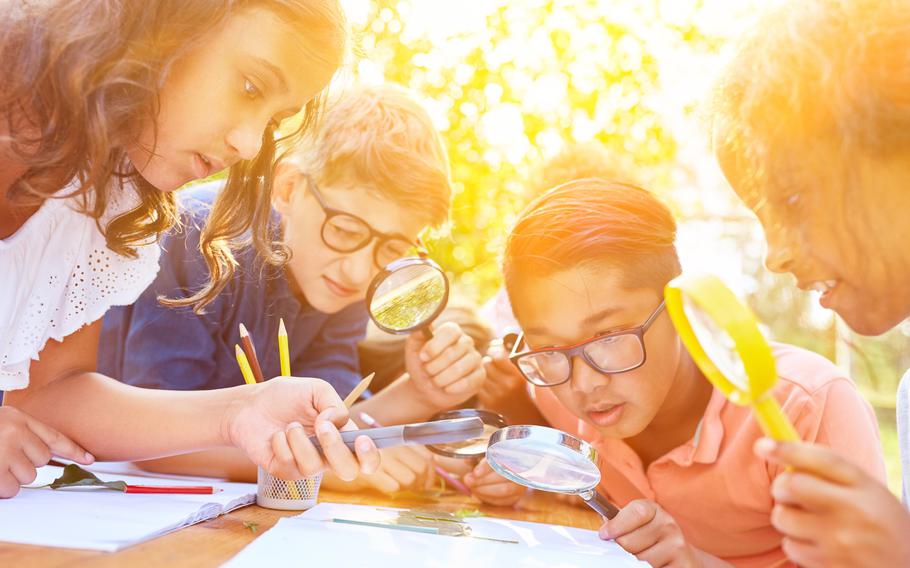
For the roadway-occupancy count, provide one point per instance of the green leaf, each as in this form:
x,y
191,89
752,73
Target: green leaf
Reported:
x,y
251,525
75,476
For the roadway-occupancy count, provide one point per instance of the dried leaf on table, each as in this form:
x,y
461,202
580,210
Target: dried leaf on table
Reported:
x,y
251,525
75,476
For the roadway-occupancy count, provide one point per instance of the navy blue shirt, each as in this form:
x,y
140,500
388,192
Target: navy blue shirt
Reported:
x,y
152,346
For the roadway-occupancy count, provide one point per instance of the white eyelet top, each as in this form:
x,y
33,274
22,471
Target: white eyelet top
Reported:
x,y
57,275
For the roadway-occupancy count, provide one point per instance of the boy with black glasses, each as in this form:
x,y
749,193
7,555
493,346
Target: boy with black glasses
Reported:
x,y
585,268
349,198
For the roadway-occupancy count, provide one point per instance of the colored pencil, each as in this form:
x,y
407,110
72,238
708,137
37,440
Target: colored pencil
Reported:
x,y
247,341
283,352
285,359
244,366
358,390
183,490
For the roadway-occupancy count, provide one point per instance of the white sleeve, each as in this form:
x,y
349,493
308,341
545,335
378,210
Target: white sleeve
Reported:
x,y
57,275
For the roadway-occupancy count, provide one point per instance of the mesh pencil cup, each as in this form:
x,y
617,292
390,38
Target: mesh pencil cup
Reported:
x,y
294,495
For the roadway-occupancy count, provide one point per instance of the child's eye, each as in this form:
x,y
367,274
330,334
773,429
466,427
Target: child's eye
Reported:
x,y
251,90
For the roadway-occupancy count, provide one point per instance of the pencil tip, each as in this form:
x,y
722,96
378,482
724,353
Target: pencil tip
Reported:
x,y
243,331
281,329
238,350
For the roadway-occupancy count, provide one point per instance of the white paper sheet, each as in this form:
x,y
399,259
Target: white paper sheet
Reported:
x,y
314,538
110,520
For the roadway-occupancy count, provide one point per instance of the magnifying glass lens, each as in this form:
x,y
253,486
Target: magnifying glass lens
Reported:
x,y
718,345
543,465
469,448
408,297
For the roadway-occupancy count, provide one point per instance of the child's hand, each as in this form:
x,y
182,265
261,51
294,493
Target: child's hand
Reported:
x,y
403,468
446,370
492,488
27,444
651,534
504,380
272,422
832,513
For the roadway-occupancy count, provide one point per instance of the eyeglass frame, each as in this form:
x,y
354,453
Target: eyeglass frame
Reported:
x,y
578,349
378,236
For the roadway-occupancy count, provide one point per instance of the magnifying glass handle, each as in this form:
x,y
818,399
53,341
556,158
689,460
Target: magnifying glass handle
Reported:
x,y
597,502
427,332
773,420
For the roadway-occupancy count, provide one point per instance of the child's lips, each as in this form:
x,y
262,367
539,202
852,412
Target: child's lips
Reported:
x,y
607,415
337,288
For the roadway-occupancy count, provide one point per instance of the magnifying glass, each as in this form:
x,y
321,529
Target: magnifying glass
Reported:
x,y
473,447
550,460
723,338
407,295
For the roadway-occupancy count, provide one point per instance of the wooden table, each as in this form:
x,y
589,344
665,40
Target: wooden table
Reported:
x,y
213,542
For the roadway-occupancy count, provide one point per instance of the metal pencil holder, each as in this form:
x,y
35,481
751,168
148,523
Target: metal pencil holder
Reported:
x,y
294,495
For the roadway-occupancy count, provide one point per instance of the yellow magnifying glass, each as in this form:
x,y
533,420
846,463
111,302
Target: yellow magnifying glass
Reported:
x,y
722,335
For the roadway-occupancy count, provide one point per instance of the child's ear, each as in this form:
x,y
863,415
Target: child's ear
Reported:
x,y
286,180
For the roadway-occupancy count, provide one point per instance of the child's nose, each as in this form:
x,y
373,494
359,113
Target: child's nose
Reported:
x,y
358,266
586,378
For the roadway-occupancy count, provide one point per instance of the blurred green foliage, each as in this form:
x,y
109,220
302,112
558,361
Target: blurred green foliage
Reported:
x,y
556,73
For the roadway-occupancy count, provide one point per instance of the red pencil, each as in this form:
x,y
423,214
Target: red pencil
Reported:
x,y
187,490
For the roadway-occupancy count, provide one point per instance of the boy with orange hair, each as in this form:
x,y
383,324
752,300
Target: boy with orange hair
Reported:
x,y
585,268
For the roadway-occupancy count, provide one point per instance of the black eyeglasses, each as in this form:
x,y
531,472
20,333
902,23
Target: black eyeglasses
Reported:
x,y
344,232
613,353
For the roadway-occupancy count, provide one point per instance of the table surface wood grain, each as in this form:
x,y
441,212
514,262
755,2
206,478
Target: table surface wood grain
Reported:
x,y
213,542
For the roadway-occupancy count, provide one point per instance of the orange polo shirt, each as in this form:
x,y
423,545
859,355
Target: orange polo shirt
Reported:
x,y
715,487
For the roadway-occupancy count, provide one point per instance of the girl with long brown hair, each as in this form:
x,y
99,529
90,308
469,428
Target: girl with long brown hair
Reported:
x,y
105,108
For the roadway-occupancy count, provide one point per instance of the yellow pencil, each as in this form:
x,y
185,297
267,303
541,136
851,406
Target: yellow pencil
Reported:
x,y
244,366
283,353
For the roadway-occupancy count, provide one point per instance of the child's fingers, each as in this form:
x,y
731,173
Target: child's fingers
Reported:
x,y
458,369
795,522
398,470
337,455
367,455
58,444
469,383
338,416
34,448
418,459
484,474
9,485
503,494
810,492
22,469
630,518
305,456
383,482
802,553
502,489
501,364
282,464
443,336
661,552
817,460
448,356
